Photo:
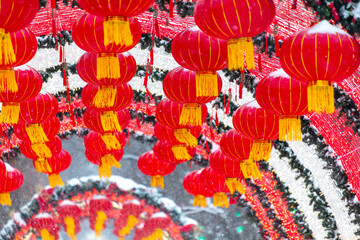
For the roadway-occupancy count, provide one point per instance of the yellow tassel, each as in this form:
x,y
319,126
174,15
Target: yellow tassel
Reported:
x,y
107,66
110,122
45,235
234,185
105,97
55,180
117,30
70,227
107,162
157,181
7,80
289,128
36,133
236,50
10,113
221,200
99,224
41,150
206,84
7,54
131,222
260,150
156,235
5,199
199,201
191,115
111,141
249,169
180,152
321,97
121,238
41,165
184,135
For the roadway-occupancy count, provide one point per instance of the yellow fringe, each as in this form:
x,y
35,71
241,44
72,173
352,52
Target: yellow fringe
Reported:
x,y
111,142
41,150
7,53
117,30
184,135
321,97
199,201
110,122
5,199
42,165
36,133
10,113
180,152
107,162
8,81
45,235
206,84
131,222
260,150
157,181
236,50
249,169
99,224
191,115
107,66
55,180
105,97
233,185
221,200
156,235
289,128
70,227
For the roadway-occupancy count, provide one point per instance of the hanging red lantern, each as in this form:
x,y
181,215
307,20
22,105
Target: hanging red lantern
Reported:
x,y
11,180
174,154
153,227
46,225
100,207
69,214
180,86
216,182
320,55
256,123
128,218
47,150
29,84
92,120
235,145
236,21
106,142
105,160
194,185
286,96
204,54
152,166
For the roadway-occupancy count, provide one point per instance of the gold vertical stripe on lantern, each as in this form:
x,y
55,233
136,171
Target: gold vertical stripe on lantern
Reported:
x,y
321,96
289,128
206,84
110,122
191,114
99,224
199,201
184,135
107,162
220,200
260,150
41,150
237,48
117,30
249,169
36,133
105,97
157,181
180,152
70,227
107,66
111,141
5,199
55,180
7,54
10,113
8,80
234,185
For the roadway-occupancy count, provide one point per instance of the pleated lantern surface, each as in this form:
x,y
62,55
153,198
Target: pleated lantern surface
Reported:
x,y
174,154
287,97
105,160
197,51
88,34
38,152
150,165
92,120
127,219
235,21
261,125
100,207
180,85
70,214
320,55
194,185
11,180
215,182
46,225
154,226
99,142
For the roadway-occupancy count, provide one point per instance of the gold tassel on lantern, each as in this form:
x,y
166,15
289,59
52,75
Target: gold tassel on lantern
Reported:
x,y
206,84
180,152
10,113
36,133
70,227
234,185
191,115
221,200
156,235
321,96
249,169
5,199
99,224
45,235
7,80
41,150
105,97
110,122
55,180
260,150
199,201
184,135
107,162
107,66
111,141
7,54
289,128
157,181
131,222
42,165
117,30
236,50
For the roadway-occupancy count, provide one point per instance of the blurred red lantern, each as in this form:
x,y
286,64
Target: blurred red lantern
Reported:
x,y
174,154
216,182
100,207
29,84
236,21
286,96
106,142
152,166
155,224
105,160
69,214
256,123
193,184
128,218
235,145
11,180
180,86
41,150
92,120
204,54
320,55
46,225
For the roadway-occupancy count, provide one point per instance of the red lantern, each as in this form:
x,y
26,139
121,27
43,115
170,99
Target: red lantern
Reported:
x,y
29,84
92,120
105,161
193,184
174,154
70,214
180,86
128,218
216,182
152,166
46,225
256,123
287,97
320,55
235,145
236,21
153,227
106,142
47,150
11,180
100,207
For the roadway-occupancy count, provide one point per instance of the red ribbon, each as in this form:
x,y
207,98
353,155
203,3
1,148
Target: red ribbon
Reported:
x,y
171,8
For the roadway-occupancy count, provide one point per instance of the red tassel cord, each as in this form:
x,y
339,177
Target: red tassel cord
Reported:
x,y
277,45
146,78
53,4
227,111
171,8
294,4
157,28
138,122
207,147
216,118
224,103
149,94
240,90
259,62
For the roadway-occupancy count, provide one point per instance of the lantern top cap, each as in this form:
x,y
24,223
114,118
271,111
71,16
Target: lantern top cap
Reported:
x,y
43,215
279,73
67,203
325,27
9,168
253,104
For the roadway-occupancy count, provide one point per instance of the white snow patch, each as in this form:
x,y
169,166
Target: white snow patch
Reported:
x,y
124,184
98,197
43,215
169,204
279,73
74,182
134,201
194,28
325,27
18,219
188,221
159,215
22,68
67,203
9,168
253,104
